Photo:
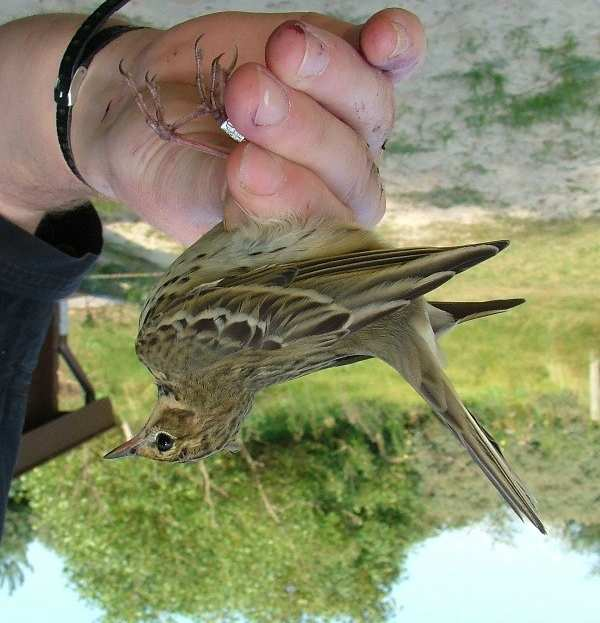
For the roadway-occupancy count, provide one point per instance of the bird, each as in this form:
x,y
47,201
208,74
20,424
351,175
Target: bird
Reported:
x,y
246,308
265,302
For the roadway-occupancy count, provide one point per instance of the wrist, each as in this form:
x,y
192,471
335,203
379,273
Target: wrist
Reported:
x,y
23,218
34,177
33,174
101,99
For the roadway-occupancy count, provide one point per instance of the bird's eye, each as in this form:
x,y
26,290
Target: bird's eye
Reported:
x,y
164,442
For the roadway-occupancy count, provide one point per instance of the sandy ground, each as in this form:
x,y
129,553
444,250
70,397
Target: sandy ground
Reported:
x,y
441,167
145,241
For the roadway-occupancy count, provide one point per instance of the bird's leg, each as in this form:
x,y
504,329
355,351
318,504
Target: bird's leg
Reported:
x,y
211,103
219,75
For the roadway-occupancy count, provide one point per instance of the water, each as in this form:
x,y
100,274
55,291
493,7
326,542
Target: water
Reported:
x,y
463,575
45,592
468,576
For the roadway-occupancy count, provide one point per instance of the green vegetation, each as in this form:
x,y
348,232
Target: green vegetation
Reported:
x,y
572,89
487,97
447,197
148,541
585,539
471,42
18,532
518,39
401,144
110,211
350,461
114,261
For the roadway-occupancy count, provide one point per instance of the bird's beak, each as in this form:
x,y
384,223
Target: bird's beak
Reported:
x,y
129,448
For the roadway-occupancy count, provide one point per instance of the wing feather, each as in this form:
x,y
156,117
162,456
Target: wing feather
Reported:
x,y
311,303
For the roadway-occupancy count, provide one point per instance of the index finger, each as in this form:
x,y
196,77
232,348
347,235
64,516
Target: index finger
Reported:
x,y
355,85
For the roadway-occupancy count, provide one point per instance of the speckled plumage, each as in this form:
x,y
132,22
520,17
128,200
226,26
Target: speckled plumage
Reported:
x,y
242,310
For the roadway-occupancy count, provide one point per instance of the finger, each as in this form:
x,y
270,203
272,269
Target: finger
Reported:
x,y
394,40
331,71
293,125
264,185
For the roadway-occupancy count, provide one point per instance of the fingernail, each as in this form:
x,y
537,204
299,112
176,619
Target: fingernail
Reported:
x,y
274,105
316,54
403,41
260,172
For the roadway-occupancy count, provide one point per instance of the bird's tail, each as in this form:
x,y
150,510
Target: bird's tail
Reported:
x,y
447,315
486,453
411,348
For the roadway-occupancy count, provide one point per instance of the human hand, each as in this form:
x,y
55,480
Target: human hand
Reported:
x,y
312,145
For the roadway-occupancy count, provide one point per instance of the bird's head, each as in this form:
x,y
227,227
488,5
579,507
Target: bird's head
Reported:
x,y
179,432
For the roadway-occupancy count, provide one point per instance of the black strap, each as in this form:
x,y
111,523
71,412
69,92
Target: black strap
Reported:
x,y
86,42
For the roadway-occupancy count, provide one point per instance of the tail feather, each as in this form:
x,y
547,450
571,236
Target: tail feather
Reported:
x,y
487,454
412,351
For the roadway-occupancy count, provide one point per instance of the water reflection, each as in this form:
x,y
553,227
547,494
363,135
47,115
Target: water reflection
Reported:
x,y
45,591
470,575
454,576
379,518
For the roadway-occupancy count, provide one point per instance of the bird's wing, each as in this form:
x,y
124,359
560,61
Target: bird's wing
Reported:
x,y
295,273
215,323
364,282
312,304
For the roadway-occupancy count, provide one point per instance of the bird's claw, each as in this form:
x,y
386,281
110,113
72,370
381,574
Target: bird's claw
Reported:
x,y
211,101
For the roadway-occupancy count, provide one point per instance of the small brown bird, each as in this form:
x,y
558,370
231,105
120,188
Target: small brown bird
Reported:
x,y
266,303
242,310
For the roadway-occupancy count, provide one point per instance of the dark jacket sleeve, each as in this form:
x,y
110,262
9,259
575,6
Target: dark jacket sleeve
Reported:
x,y
35,271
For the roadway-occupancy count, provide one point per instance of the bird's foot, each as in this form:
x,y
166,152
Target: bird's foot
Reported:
x,y
211,104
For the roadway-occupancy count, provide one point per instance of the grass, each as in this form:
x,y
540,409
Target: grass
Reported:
x,y
447,197
471,42
518,39
574,90
487,93
571,90
114,260
401,144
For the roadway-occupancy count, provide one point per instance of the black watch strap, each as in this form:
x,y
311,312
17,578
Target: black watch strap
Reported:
x,y
86,42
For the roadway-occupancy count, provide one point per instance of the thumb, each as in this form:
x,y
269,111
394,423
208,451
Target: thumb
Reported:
x,y
179,191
